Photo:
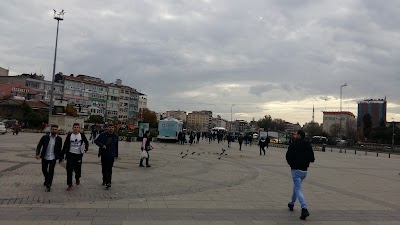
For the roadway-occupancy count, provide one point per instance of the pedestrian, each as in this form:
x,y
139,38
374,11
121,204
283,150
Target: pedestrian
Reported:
x,y
108,151
198,137
49,150
246,139
267,140
240,140
75,145
93,134
262,143
299,156
250,138
16,128
229,138
191,138
146,146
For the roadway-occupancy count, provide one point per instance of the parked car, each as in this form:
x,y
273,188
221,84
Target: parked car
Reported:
x,y
274,140
3,129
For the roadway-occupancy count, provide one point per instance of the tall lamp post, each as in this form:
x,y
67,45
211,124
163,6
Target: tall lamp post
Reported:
x,y
393,135
57,16
340,121
231,115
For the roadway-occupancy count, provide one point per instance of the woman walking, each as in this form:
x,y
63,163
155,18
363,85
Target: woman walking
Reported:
x,y
146,146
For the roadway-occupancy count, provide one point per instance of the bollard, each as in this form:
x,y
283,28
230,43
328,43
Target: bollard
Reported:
x,y
331,149
389,155
355,152
345,151
376,154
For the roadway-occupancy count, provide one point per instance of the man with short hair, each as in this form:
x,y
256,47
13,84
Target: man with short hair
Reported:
x,y
75,145
299,156
108,150
49,150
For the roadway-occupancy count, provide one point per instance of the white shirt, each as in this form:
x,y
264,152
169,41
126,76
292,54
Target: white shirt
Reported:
x,y
50,149
75,143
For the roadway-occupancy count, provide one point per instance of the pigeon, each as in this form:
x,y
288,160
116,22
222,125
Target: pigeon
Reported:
x,y
193,153
219,158
198,153
226,154
181,153
187,150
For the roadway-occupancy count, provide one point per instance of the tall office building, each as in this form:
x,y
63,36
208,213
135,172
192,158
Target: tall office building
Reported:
x,y
376,108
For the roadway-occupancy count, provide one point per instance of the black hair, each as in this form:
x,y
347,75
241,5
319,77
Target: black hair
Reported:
x,y
301,133
54,125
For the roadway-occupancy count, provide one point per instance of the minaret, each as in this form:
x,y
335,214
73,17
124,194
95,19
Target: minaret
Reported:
x,y
313,111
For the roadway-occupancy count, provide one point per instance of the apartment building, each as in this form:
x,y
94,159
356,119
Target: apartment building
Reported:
x,y
200,120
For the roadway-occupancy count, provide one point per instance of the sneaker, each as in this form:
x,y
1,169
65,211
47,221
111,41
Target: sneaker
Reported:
x,y
148,166
77,181
141,165
70,187
48,188
108,186
304,214
291,206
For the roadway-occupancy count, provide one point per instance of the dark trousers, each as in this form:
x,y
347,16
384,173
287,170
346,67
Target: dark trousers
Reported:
x,y
48,171
262,149
240,145
74,163
147,159
182,141
106,168
229,144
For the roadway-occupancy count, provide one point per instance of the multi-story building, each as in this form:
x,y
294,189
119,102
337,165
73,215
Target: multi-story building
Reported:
x,y
240,126
176,114
112,102
200,120
142,101
3,72
85,91
292,127
348,119
376,108
16,91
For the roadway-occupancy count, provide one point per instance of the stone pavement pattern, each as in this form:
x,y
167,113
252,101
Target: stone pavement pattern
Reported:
x,y
240,188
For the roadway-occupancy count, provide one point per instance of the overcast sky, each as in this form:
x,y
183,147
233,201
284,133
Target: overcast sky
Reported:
x,y
277,57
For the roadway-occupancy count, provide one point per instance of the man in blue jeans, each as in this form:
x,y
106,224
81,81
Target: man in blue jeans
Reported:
x,y
299,156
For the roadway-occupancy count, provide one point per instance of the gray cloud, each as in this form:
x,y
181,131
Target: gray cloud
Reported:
x,y
211,54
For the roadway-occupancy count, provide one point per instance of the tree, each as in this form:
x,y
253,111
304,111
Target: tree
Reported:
x,y
313,129
95,119
367,122
71,111
334,130
148,116
265,122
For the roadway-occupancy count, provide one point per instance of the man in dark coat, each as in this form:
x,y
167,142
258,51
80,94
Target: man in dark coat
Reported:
x,y
108,150
299,156
49,150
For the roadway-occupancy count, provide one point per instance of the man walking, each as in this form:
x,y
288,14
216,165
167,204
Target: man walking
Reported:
x,y
75,145
299,156
262,143
240,140
108,150
49,150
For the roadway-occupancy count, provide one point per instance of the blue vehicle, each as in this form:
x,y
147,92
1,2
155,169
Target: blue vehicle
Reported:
x,y
168,129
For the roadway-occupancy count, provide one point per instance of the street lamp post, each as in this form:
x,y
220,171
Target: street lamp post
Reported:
x,y
57,16
340,121
231,115
393,135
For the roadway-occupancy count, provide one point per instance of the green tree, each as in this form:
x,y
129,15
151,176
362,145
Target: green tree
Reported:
x,y
265,122
334,130
367,122
95,119
313,129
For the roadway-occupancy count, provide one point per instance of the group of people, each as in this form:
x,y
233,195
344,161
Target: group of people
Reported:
x,y
50,149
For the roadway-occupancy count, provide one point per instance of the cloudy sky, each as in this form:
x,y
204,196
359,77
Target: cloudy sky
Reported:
x,y
277,57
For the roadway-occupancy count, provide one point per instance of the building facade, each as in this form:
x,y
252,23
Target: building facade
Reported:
x,y
200,120
16,91
376,108
348,123
176,114
4,72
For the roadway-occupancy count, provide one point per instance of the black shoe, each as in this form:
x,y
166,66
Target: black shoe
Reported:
x,y
291,206
48,188
148,166
108,186
304,214
104,183
141,165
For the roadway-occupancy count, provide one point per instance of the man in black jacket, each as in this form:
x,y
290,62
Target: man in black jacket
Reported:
x,y
299,156
75,145
49,150
108,150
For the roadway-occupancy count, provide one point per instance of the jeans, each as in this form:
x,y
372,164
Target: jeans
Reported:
x,y
298,177
74,163
106,168
48,171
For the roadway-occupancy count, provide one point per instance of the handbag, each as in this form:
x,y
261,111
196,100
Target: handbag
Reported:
x,y
149,148
144,155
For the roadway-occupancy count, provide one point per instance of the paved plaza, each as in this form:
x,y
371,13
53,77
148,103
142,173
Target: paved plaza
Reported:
x,y
241,187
